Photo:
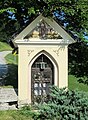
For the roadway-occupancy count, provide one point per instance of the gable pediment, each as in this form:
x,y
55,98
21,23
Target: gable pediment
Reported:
x,y
43,31
43,28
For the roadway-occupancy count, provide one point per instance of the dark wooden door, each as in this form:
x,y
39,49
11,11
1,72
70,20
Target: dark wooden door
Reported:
x,y
42,78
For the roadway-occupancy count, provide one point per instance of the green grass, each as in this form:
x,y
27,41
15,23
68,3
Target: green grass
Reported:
x,y
4,46
13,115
74,84
11,59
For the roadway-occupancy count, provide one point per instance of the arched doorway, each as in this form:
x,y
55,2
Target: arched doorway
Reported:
x,y
42,76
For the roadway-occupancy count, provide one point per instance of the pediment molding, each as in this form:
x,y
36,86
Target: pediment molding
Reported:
x,y
21,37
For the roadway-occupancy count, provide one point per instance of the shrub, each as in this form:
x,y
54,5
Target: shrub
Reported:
x,y
64,105
26,111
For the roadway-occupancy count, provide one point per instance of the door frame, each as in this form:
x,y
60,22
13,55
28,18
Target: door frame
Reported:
x,y
49,70
29,71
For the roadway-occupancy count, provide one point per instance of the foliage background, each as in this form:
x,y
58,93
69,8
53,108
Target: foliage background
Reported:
x,y
71,14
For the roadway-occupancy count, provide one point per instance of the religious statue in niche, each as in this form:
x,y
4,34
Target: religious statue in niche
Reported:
x,y
44,31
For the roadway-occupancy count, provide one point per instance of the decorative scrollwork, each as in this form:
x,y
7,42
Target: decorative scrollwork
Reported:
x,y
43,31
29,52
57,51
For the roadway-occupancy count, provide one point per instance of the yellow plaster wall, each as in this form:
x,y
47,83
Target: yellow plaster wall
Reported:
x,y
60,55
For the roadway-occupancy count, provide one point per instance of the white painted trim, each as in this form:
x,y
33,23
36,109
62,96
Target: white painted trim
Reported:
x,y
29,28
43,42
58,28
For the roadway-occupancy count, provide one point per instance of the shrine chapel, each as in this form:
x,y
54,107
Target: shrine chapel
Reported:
x,y
42,59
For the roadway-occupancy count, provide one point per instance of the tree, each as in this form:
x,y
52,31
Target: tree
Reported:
x,y
72,14
78,61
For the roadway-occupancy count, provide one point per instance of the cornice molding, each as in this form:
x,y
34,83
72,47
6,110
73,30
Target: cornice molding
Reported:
x,y
43,42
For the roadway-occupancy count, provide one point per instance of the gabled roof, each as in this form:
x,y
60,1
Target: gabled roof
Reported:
x,y
51,23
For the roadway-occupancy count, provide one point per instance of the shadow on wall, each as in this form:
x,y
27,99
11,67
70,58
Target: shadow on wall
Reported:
x,y
9,75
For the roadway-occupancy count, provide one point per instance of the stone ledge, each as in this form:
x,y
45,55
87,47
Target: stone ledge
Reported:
x,y
8,95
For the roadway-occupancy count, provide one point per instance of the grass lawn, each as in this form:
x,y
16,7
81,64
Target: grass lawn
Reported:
x,y
74,84
12,59
4,46
13,115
